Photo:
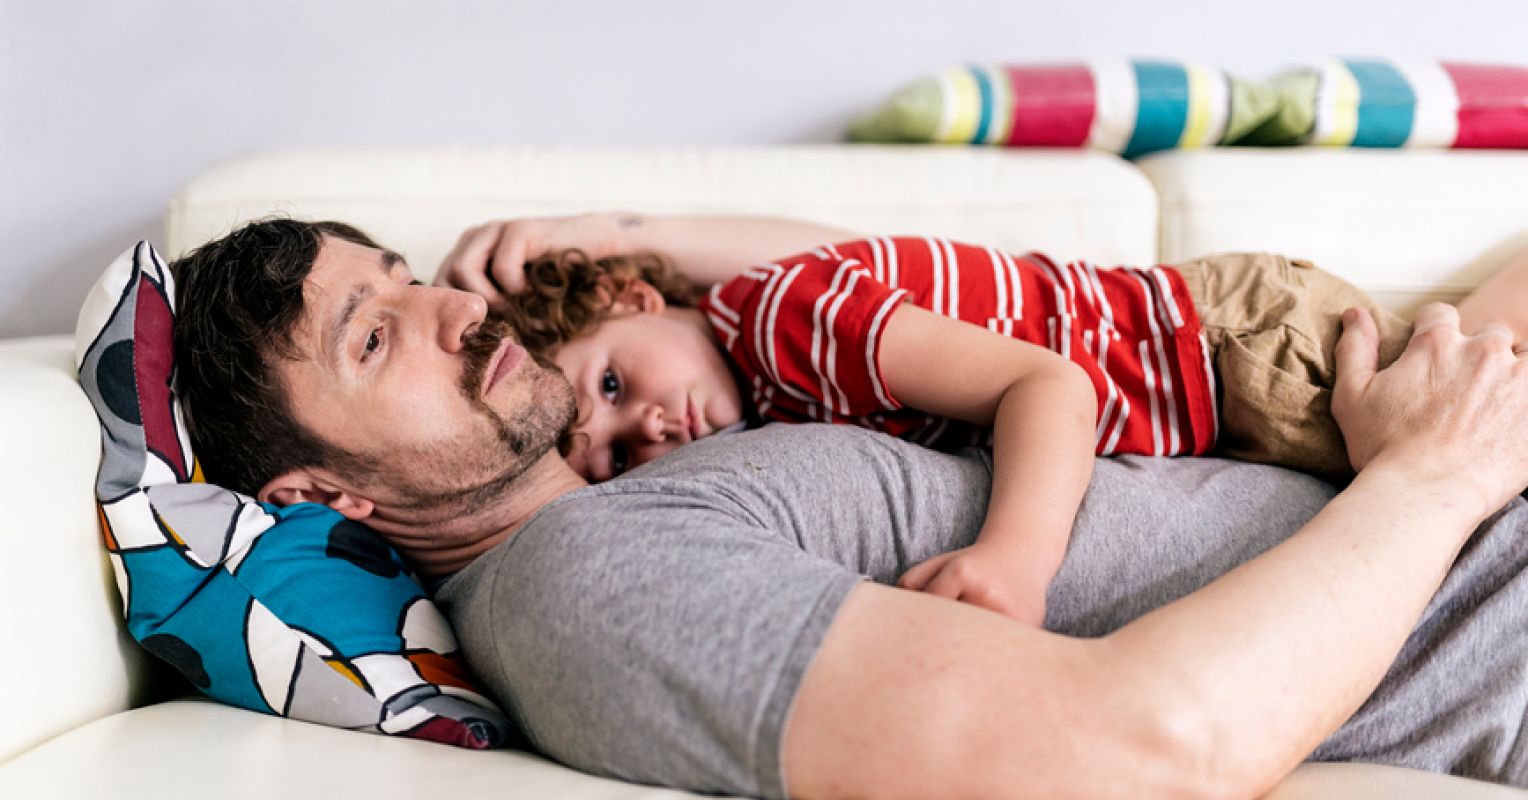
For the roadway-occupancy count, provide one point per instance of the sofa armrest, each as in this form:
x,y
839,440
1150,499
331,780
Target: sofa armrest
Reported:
x,y
70,660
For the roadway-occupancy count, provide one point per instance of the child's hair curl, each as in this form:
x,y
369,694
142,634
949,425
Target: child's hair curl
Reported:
x,y
567,294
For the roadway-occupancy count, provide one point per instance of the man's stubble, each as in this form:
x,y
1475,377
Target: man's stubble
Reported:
x,y
480,470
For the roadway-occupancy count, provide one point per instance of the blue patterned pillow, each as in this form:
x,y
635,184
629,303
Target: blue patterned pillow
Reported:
x,y
292,611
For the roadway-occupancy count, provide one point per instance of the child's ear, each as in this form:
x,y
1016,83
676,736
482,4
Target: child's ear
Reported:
x,y
639,296
311,486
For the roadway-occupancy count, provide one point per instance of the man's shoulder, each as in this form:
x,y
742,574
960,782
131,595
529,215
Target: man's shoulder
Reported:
x,y
795,445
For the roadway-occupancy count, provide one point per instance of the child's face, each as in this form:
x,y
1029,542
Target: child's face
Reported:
x,y
646,383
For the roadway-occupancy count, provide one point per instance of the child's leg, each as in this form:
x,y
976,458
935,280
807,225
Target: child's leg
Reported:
x,y
1271,324
1502,298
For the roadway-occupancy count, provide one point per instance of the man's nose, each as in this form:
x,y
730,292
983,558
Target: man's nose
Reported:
x,y
459,314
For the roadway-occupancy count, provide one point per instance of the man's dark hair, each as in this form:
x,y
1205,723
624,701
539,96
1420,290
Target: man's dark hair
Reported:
x,y
238,300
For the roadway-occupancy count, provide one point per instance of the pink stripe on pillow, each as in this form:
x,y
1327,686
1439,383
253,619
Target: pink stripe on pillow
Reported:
x,y
1493,100
1052,106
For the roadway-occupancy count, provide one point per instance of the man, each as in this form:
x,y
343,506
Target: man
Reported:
x,y
701,623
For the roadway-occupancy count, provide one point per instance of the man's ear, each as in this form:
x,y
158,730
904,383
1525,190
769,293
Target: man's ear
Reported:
x,y
308,485
639,296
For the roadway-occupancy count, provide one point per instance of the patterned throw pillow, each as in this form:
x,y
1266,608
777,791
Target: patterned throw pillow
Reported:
x,y
1401,103
1126,107
296,612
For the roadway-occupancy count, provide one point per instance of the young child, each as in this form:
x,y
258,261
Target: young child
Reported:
x,y
950,344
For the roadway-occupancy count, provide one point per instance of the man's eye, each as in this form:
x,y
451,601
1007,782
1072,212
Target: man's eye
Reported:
x,y
373,343
610,385
618,458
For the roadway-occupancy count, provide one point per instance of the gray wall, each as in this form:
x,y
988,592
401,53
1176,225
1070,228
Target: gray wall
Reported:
x,y
108,107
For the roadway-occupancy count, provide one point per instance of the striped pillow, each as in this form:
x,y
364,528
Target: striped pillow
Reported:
x,y
1131,107
1398,103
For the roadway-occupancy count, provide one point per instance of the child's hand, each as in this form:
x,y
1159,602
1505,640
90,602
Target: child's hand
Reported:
x,y
489,259
996,578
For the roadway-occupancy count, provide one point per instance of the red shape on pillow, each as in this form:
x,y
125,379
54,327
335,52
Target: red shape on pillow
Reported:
x,y
441,670
153,361
1493,105
449,731
1052,106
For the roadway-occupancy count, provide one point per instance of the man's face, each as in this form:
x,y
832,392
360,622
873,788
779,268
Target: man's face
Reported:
x,y
436,406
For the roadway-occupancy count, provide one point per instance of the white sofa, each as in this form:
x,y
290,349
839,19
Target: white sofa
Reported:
x,y
89,715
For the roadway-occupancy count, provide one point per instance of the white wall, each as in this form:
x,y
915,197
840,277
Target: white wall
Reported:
x,y
107,107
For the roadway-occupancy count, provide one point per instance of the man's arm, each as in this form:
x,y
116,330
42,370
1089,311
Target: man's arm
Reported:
x,y
1220,693
489,259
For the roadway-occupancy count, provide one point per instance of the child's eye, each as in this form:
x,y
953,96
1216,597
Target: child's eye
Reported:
x,y
610,385
617,458
373,344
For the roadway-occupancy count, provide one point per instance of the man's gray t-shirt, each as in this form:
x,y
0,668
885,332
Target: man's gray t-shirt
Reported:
x,y
656,628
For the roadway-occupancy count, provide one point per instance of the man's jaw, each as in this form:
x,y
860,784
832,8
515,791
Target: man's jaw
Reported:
x,y
440,540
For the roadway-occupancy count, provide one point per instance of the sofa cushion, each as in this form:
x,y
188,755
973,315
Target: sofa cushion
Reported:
x,y
1128,107
222,751
297,611
1074,204
1408,226
1398,103
195,749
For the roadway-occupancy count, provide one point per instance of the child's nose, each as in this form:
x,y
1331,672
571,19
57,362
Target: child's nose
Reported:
x,y
652,423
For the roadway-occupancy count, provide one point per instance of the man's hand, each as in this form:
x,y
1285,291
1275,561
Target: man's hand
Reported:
x,y
489,259
1452,411
995,578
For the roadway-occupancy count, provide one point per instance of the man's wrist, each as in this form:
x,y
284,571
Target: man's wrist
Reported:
x,y
1449,493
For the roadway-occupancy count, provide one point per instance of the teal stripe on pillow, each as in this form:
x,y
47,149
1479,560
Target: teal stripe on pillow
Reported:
x,y
1387,104
984,124
1162,109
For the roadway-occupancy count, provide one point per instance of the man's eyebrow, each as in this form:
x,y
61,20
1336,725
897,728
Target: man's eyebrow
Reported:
x,y
391,259
357,296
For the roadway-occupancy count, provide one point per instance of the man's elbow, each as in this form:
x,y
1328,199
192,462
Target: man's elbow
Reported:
x,y
1114,741
1173,745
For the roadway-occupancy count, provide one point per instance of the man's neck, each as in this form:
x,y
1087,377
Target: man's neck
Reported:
x,y
439,542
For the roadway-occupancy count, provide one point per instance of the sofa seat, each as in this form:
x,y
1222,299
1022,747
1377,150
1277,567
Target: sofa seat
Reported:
x,y
193,748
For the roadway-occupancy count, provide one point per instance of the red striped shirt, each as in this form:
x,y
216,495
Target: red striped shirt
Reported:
x,y
805,333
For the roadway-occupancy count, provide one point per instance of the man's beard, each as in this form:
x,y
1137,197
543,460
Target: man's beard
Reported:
x,y
478,349
546,414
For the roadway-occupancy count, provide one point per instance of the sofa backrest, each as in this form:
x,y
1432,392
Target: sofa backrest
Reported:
x,y
1409,226
1071,204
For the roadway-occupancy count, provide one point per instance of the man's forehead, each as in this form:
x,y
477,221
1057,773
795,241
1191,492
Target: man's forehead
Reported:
x,y
340,260
344,274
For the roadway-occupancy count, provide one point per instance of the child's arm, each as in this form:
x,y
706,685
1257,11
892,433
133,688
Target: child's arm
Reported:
x,y
1042,409
490,259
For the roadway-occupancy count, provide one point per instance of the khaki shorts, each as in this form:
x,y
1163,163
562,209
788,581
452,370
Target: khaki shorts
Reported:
x,y
1272,325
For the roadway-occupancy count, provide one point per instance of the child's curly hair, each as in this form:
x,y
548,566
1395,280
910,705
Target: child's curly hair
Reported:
x,y
567,294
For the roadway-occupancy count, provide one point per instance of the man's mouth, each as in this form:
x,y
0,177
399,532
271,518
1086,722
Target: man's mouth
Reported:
x,y
505,361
